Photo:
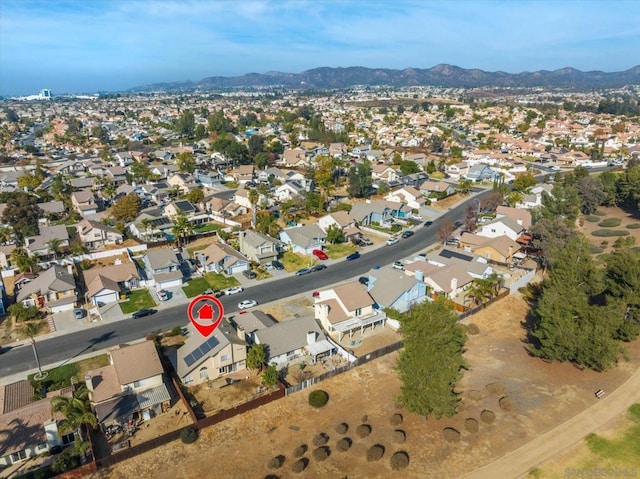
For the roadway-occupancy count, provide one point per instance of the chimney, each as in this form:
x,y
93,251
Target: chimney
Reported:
x,y
89,382
241,334
419,275
69,269
311,337
454,284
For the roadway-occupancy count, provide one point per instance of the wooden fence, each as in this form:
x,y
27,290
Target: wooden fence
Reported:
x,y
78,472
131,452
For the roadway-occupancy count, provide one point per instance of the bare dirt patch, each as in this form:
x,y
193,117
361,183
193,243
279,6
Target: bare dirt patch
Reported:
x,y
544,394
293,308
447,202
606,243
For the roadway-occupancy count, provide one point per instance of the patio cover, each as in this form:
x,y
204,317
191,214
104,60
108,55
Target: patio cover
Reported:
x,y
319,347
117,408
151,397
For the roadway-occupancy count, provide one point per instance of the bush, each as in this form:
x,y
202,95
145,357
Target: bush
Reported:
x,y
473,329
321,453
592,218
396,419
344,444
599,213
496,388
399,436
399,460
488,416
276,462
300,450
300,465
634,226
177,331
363,430
342,428
451,434
594,249
375,452
471,425
610,222
507,404
320,440
609,233
189,435
318,398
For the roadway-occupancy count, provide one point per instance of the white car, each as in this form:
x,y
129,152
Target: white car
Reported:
x,y
247,303
398,265
417,217
233,290
391,241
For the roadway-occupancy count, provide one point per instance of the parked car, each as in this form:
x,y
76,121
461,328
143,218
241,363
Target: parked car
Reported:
x,y
303,271
366,241
142,313
428,223
233,290
417,217
363,280
392,241
249,274
407,234
315,294
277,265
398,265
321,255
247,303
318,267
78,313
353,256
162,295
458,224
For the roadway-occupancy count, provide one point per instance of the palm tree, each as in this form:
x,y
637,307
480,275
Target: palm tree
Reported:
x,y
253,196
182,228
146,223
23,261
464,187
54,246
5,234
76,410
32,329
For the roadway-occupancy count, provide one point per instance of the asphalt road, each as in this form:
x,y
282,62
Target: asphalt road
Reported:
x,y
66,347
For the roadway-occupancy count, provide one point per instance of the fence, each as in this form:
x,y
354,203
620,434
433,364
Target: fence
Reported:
x,y
78,472
131,452
359,361
242,408
469,312
522,281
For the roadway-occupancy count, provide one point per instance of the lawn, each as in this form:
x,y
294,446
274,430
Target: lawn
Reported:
x,y
220,281
138,299
208,227
338,250
195,286
623,450
60,377
294,262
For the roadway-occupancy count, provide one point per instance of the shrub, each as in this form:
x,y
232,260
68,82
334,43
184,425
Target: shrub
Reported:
x,y
321,453
592,218
189,435
342,428
396,419
496,388
473,329
594,249
177,331
300,450
375,452
610,222
488,416
318,398
300,465
471,425
634,226
451,434
399,436
475,395
320,440
599,213
363,430
507,404
399,460
344,444
276,462
609,233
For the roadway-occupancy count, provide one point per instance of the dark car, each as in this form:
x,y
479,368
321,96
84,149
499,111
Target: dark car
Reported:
x,y
277,265
407,234
458,224
318,267
363,280
249,274
303,271
353,256
143,312
428,223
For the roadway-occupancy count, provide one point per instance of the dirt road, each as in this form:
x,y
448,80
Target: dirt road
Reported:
x,y
519,462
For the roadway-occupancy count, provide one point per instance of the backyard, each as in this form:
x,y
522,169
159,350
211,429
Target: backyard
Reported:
x,y
137,300
608,225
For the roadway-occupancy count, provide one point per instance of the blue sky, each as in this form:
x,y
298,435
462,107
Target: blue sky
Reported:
x,y
108,45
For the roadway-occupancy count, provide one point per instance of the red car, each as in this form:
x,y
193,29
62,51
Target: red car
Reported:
x,y
318,253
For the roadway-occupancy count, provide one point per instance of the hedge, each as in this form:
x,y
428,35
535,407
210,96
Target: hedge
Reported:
x,y
607,233
610,222
318,398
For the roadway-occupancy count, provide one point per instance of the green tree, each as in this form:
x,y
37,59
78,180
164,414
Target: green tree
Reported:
x,y
256,356
255,145
523,182
464,186
54,246
59,189
22,313
514,198
186,162
182,228
126,208
564,202
76,409
270,376
267,224
195,196
219,124
431,362
22,212
186,124
140,171
28,181
360,181
262,160
408,167
335,235
31,330
591,193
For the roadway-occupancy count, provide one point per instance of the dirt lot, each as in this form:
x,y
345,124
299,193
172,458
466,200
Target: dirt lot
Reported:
x,y
606,243
542,395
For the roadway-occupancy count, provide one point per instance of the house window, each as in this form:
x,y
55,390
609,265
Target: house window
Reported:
x,y
41,446
137,384
359,312
18,456
68,438
204,373
224,357
493,230
188,379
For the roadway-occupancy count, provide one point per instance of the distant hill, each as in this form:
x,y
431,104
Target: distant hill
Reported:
x,y
439,75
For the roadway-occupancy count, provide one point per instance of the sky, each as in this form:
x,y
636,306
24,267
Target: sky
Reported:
x,y
86,46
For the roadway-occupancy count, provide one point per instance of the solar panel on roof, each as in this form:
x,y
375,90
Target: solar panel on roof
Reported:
x,y
189,359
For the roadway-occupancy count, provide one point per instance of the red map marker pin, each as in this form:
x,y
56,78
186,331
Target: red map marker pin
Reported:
x,y
204,316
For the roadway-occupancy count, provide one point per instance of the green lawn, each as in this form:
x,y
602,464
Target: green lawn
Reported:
x,y
60,377
214,281
195,287
339,250
622,450
139,299
208,227
220,281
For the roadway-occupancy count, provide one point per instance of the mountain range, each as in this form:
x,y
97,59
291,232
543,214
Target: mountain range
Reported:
x,y
440,75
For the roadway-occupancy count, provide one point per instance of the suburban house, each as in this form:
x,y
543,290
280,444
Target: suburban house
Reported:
x,y
292,339
164,267
294,158
222,258
481,172
415,179
500,249
288,190
437,189
407,195
54,289
391,288
340,219
84,202
41,246
131,387
258,247
28,428
202,359
457,170
384,173
105,285
183,181
502,226
519,215
94,234
534,197
347,308
150,227
176,208
304,239
377,211
242,174
5,256
208,179
449,281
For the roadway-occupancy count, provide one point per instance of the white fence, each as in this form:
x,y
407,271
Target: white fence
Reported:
x,y
522,281
96,255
